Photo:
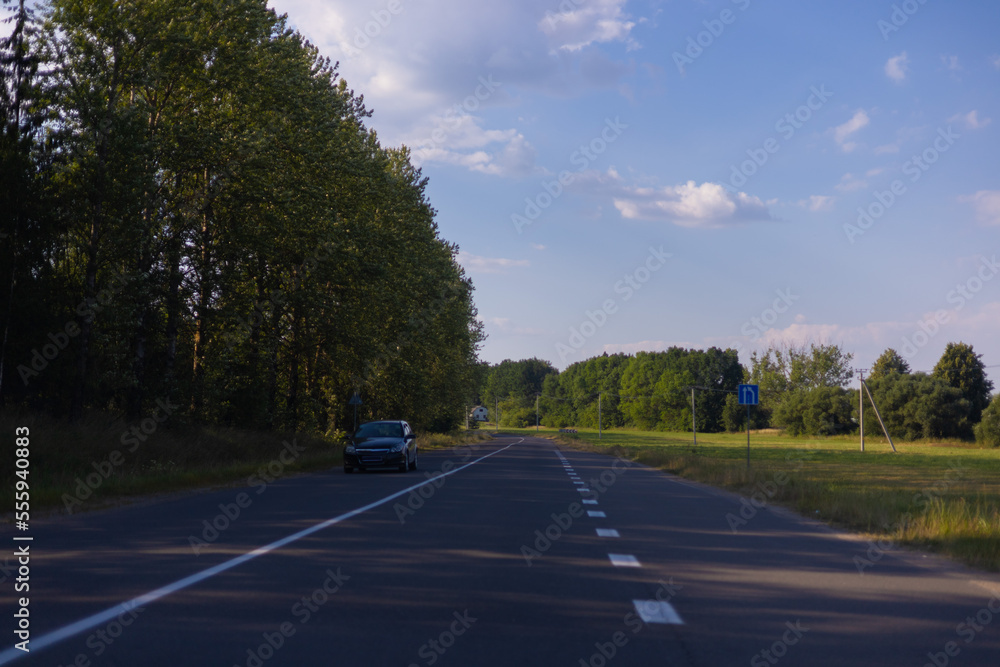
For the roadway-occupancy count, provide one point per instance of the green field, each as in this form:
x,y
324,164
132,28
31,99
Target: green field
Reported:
x,y
941,496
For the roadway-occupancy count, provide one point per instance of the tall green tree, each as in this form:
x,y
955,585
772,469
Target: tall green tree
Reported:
x,y
781,371
889,361
918,405
24,245
229,234
963,369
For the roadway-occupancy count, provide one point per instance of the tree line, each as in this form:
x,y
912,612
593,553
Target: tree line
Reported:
x,y
195,211
803,390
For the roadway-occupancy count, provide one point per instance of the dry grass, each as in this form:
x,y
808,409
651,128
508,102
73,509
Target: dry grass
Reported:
x,y
100,458
431,441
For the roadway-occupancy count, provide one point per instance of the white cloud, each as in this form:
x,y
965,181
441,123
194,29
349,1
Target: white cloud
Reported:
x,y
951,63
689,205
478,264
995,61
849,183
868,340
971,120
415,63
987,205
818,203
587,23
460,139
896,67
842,133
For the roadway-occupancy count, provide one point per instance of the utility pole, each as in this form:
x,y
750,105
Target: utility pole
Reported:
x,y
880,422
537,396
496,414
694,419
598,415
861,405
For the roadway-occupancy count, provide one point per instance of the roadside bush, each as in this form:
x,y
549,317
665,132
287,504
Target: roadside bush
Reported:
x,y
819,411
988,430
556,421
734,415
517,417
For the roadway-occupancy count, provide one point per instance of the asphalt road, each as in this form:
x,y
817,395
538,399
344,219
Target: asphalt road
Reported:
x,y
500,562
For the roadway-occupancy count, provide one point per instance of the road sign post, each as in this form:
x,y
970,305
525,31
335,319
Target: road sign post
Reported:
x,y
355,401
749,394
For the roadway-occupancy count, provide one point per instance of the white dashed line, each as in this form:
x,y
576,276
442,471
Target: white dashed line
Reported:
x,y
583,489
624,560
589,502
596,515
655,611
607,532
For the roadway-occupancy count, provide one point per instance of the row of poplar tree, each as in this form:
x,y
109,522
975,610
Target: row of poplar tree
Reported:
x,y
195,212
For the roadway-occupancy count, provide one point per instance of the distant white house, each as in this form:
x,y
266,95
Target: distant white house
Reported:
x,y
480,414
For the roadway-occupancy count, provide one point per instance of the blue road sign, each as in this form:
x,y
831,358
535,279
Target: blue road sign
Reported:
x,y
749,394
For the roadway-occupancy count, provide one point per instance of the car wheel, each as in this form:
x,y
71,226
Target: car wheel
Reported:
x,y
413,464
348,470
405,465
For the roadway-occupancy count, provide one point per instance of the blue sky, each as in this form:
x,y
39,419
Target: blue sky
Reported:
x,y
631,175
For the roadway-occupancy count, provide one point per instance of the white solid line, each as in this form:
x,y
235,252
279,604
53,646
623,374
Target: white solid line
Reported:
x,y
94,620
624,560
655,611
988,586
596,515
607,532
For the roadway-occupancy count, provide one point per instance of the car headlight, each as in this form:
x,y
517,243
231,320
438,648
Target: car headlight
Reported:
x,y
349,449
398,448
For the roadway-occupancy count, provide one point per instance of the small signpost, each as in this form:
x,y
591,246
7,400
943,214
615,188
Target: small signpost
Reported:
x,y
749,394
355,401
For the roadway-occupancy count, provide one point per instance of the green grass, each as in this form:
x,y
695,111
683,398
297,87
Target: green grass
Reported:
x,y
64,457
941,496
431,441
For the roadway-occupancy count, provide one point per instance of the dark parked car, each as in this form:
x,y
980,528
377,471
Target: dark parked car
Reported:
x,y
381,444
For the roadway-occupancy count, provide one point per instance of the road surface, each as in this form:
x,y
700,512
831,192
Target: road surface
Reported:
x,y
516,552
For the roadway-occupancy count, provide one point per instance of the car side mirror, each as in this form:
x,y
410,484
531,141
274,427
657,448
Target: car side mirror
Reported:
x,y
410,436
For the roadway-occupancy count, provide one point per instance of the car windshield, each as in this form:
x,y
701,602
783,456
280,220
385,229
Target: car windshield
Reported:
x,y
379,430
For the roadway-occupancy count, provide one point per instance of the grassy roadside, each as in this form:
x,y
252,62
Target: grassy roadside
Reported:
x,y
432,441
102,460
941,496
